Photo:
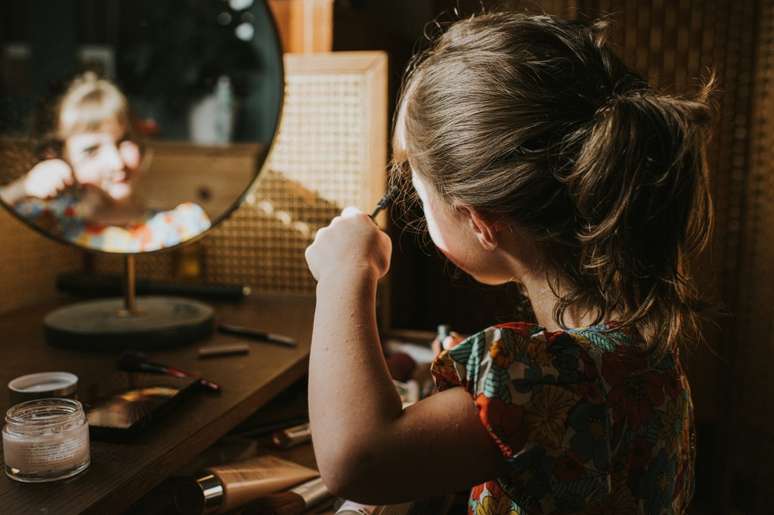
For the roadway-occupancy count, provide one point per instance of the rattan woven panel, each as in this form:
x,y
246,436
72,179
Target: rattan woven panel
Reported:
x,y
29,264
752,395
330,152
756,299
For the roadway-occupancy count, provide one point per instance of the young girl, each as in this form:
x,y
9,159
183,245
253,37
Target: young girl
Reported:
x,y
539,158
83,190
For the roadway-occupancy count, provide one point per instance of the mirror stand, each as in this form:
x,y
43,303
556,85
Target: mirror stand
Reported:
x,y
130,287
131,322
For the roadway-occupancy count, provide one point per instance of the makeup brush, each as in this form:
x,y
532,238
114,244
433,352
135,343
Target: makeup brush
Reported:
x,y
133,361
385,201
293,502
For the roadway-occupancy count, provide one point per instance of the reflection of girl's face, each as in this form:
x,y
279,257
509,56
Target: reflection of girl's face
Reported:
x,y
104,159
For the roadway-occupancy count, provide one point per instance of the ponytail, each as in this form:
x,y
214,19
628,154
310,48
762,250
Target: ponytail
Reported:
x,y
641,191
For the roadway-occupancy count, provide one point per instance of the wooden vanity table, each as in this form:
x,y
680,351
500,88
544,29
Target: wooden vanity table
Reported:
x,y
121,473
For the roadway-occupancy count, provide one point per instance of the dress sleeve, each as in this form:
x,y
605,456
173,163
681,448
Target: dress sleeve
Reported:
x,y
541,399
50,215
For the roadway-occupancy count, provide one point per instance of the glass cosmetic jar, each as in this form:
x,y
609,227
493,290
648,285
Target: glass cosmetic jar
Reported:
x,y
45,440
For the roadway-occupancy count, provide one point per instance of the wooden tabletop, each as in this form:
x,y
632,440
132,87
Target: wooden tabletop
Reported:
x,y
121,473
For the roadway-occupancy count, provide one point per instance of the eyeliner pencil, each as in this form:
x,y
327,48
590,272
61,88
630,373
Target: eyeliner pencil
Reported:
x,y
254,334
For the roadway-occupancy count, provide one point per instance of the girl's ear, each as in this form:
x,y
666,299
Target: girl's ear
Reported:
x,y
483,227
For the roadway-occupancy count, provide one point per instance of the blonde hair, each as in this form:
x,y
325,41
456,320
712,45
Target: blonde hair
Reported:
x,y
87,104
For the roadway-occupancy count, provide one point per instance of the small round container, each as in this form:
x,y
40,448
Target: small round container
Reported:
x,y
45,440
43,385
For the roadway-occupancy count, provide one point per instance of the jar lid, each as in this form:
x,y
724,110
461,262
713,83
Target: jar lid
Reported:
x,y
43,385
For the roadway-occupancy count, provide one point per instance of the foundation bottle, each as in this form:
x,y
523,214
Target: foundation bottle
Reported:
x,y
226,487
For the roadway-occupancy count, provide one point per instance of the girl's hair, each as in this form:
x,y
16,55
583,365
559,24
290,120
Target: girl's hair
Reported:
x,y
88,104
533,119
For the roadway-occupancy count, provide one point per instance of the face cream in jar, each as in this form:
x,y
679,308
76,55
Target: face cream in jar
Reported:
x,y
45,440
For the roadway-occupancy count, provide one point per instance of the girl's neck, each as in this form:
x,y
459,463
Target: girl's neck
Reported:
x,y
525,263
544,300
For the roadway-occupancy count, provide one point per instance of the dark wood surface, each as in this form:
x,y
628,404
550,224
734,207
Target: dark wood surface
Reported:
x,y
121,473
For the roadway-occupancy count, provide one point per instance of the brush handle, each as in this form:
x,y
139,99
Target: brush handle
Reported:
x,y
176,372
254,334
158,368
385,201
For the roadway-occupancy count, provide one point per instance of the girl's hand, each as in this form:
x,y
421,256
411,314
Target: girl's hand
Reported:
x,y
130,155
48,178
351,244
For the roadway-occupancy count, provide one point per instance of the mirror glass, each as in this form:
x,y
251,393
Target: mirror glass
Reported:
x,y
131,126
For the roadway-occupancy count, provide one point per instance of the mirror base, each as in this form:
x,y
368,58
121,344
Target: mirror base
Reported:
x,y
104,325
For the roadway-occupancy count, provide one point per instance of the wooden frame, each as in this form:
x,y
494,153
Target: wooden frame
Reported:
x,y
304,25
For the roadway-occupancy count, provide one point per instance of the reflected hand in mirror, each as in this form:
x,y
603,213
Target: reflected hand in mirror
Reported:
x,y
83,188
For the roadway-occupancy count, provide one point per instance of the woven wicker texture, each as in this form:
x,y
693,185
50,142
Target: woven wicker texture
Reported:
x,y
330,152
756,299
751,399
29,264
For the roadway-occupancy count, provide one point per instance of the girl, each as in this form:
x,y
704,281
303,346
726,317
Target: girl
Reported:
x,y
83,190
538,158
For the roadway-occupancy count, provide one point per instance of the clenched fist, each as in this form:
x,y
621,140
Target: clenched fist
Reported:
x,y
352,243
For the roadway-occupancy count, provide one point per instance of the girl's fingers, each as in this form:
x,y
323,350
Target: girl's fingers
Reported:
x,y
350,211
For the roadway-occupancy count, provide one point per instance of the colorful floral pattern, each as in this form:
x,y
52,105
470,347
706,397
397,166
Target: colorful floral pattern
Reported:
x,y
157,230
587,420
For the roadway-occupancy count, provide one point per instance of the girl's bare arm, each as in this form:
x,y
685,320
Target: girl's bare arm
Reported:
x,y
368,448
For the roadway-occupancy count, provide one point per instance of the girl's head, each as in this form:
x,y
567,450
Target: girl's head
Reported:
x,y
530,125
92,124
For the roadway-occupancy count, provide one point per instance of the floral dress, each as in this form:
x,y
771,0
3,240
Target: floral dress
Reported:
x,y
587,421
155,230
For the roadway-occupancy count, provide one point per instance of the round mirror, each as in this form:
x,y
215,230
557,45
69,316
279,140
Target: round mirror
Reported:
x,y
131,126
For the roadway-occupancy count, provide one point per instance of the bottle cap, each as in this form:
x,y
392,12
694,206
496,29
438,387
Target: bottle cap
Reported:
x,y
202,495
